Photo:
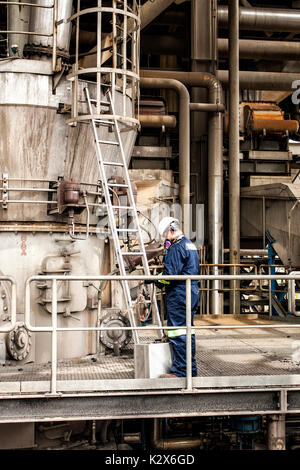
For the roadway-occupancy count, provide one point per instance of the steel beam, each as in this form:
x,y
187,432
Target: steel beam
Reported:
x,y
209,403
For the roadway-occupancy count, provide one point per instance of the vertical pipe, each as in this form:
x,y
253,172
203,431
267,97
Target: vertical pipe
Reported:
x,y
276,432
17,20
54,48
215,203
234,170
75,81
188,285
54,336
124,52
114,49
99,15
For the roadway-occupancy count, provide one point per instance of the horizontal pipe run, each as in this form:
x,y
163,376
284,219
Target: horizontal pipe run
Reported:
x,y
157,121
249,80
160,443
263,49
207,107
263,19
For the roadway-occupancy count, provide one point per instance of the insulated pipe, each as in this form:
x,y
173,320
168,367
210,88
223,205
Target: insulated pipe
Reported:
x,y
234,151
207,107
263,19
215,165
147,120
258,49
276,81
184,141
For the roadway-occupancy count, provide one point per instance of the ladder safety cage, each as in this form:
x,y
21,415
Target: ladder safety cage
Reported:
x,y
113,62
115,231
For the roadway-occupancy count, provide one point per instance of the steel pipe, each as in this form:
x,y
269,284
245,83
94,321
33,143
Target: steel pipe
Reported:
x,y
184,140
263,19
207,107
215,162
257,49
249,80
172,443
147,120
234,151
276,432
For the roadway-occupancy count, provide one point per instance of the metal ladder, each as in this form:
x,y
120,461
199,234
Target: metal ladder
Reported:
x,y
121,164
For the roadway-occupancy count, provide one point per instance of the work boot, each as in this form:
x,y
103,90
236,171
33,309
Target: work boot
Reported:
x,y
168,376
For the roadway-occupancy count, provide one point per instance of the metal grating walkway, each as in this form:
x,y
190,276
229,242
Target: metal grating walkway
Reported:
x,y
220,353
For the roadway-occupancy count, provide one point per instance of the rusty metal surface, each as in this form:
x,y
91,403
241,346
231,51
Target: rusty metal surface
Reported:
x,y
274,125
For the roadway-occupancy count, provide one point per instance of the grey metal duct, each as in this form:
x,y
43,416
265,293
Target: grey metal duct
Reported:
x,y
263,19
258,49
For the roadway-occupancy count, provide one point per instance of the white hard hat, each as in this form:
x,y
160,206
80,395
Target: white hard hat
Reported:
x,y
165,224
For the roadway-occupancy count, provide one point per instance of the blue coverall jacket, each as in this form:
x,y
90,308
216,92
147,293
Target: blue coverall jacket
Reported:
x,y
182,258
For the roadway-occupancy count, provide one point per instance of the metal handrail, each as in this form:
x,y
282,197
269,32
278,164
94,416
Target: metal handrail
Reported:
x,y
188,279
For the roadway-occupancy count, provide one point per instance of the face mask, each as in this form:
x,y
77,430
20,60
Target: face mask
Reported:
x,y
167,244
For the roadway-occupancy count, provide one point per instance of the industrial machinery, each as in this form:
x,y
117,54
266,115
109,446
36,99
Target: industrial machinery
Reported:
x,y
114,114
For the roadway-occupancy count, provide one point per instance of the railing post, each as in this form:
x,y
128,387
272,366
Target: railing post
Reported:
x,y
54,336
54,50
188,334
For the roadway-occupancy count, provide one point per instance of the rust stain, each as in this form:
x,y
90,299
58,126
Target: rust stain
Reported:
x,y
23,245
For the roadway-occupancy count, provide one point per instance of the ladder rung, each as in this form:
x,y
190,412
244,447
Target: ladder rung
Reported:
x,y
122,207
133,253
107,142
116,185
127,230
113,163
103,103
102,121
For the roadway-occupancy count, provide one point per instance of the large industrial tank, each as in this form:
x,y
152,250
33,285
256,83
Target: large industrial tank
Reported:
x,y
42,159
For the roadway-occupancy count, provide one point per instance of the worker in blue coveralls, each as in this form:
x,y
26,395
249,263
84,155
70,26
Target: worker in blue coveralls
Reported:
x,y
181,258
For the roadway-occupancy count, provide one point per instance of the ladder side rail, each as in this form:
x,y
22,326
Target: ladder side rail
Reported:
x,y
112,223
132,203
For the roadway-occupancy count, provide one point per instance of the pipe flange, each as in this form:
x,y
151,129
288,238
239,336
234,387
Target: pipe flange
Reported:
x,y
119,337
18,342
